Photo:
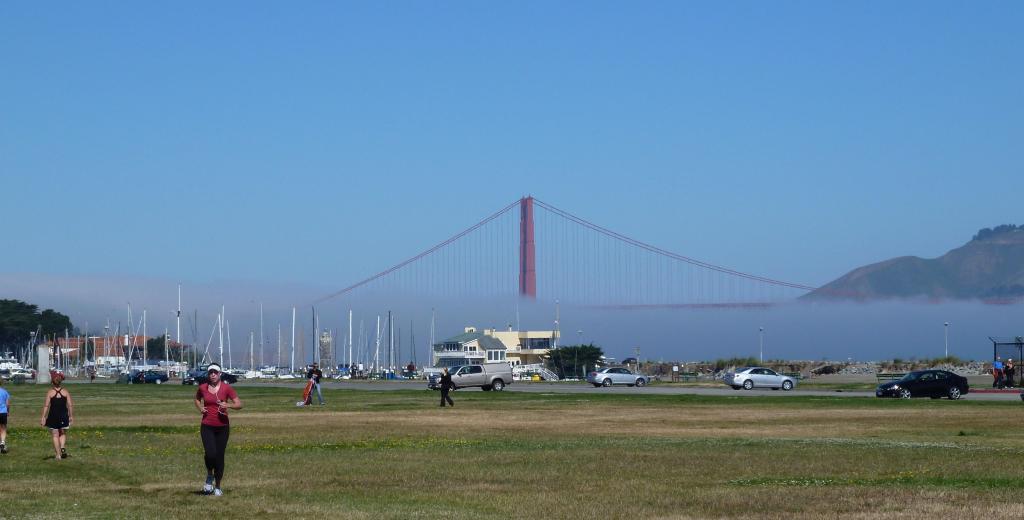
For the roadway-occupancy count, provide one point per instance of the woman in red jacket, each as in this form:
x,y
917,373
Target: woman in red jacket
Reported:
x,y
213,399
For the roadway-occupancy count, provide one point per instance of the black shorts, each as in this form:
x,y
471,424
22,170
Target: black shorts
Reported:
x,y
3,419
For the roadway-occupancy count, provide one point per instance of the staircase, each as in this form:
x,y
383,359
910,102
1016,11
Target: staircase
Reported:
x,y
538,369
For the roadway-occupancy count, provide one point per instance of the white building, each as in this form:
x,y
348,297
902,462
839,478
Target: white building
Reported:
x,y
492,346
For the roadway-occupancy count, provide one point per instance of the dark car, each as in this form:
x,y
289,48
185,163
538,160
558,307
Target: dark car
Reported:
x,y
925,383
153,376
198,377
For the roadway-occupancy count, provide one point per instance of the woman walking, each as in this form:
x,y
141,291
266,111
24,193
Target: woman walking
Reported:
x,y
58,414
213,399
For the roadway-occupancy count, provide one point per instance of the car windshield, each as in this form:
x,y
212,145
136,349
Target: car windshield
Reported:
x,y
912,376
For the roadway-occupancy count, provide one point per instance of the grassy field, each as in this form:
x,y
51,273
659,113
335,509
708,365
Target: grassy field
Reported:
x,y
136,453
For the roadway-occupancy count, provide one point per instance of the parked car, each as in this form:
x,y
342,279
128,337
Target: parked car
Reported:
x,y
198,377
749,378
154,376
609,376
925,383
489,376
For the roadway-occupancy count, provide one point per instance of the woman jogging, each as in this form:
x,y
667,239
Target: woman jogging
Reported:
x,y
213,400
58,414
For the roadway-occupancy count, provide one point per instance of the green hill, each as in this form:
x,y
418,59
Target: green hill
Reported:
x,y
990,266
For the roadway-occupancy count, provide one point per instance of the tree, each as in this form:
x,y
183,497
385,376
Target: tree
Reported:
x,y
19,319
570,361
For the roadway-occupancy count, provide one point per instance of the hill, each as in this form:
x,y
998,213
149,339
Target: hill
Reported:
x,y
990,266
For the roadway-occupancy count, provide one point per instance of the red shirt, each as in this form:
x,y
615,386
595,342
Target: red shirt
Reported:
x,y
212,414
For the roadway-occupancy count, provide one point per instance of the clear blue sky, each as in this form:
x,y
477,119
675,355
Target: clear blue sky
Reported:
x,y
319,142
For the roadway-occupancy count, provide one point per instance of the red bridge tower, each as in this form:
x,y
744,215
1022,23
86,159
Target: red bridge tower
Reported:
x,y
527,254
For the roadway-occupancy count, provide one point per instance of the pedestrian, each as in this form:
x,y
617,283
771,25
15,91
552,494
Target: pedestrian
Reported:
x,y
997,373
213,399
315,374
58,414
1008,370
5,407
446,386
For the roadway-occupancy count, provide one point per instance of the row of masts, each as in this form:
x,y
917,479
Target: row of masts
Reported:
x,y
355,347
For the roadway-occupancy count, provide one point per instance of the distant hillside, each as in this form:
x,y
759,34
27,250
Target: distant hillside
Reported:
x,y
990,266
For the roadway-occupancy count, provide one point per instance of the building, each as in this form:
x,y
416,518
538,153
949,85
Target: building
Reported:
x,y
493,346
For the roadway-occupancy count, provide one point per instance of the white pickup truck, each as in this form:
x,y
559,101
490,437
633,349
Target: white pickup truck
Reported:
x,y
489,376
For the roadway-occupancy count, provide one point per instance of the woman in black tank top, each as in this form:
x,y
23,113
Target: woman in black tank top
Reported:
x,y
58,414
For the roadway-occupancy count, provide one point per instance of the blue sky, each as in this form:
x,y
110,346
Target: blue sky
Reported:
x,y
317,143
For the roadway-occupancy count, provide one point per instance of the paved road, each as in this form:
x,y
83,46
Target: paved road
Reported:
x,y
579,388
570,388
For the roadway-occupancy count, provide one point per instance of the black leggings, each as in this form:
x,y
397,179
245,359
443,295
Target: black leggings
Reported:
x,y
215,443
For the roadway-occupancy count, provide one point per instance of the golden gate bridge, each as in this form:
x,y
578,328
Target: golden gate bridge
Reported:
x,y
537,251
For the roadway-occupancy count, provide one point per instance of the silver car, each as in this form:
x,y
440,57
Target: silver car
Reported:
x,y
758,377
609,376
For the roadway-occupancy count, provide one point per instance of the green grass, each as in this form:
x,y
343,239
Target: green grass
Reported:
x,y
395,454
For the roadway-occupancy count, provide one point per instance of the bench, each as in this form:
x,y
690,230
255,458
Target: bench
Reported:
x,y
889,376
687,376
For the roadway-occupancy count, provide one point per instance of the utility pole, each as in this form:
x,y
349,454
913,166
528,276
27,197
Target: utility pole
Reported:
x,y
946,329
760,333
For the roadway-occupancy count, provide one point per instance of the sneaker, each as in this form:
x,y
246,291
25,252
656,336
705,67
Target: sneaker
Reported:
x,y
208,485
217,492
3,448
63,453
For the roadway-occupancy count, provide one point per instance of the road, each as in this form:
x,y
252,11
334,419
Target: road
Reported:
x,y
578,388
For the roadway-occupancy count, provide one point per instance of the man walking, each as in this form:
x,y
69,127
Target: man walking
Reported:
x,y
446,386
997,373
315,374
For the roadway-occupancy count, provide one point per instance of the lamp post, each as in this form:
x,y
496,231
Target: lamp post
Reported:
x,y
760,333
946,330
576,362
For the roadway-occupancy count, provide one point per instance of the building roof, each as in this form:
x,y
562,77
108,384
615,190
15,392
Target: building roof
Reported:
x,y
486,342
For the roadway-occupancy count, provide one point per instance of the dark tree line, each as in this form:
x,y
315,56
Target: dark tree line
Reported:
x,y
19,319
998,230
574,360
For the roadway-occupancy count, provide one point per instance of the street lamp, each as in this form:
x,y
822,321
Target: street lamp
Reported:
x,y
760,333
576,362
946,330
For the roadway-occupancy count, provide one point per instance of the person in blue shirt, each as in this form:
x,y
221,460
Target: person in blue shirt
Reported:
x,y
5,404
997,373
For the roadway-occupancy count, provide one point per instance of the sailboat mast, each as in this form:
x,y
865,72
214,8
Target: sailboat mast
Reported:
x,y
262,344
292,368
177,318
220,336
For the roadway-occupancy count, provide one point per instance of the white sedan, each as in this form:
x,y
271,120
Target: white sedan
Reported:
x,y
749,378
609,376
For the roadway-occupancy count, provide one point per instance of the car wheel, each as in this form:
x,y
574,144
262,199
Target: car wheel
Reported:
x,y
905,394
607,382
498,385
954,393
748,384
640,381
787,385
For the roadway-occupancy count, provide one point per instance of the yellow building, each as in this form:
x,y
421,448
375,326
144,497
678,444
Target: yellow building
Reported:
x,y
490,345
